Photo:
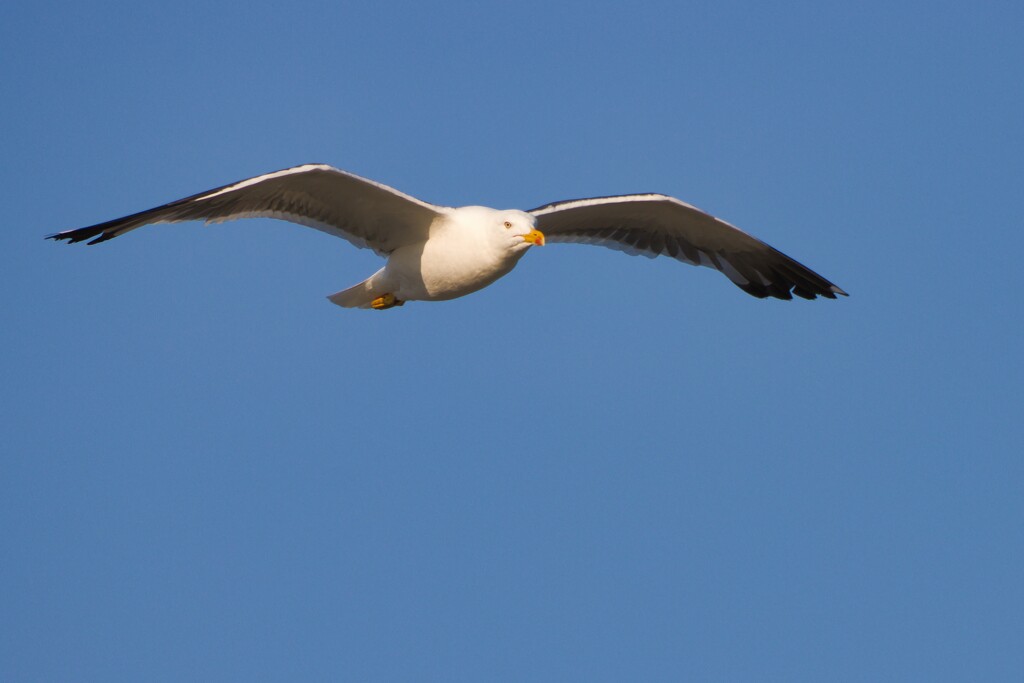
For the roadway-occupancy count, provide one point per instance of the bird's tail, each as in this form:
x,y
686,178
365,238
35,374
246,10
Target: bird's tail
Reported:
x,y
359,296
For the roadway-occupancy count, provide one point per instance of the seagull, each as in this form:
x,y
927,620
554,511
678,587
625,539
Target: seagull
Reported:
x,y
436,253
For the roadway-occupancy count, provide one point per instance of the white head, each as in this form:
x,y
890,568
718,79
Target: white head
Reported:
x,y
519,229
511,229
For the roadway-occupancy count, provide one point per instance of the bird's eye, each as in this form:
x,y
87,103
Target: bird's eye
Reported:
x,y
507,224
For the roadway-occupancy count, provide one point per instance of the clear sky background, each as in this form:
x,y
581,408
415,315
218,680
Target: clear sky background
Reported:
x,y
600,468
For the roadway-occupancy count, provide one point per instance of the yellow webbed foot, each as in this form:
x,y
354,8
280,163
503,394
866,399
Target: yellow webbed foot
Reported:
x,y
387,301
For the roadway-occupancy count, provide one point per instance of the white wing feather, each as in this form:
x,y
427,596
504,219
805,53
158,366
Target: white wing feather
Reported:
x,y
366,213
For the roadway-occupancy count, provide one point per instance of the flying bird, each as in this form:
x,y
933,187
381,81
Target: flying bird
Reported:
x,y
435,253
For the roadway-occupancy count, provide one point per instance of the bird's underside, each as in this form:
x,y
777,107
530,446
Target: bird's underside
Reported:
x,y
470,247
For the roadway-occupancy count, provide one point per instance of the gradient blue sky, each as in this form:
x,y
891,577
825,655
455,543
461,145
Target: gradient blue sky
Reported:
x,y
602,467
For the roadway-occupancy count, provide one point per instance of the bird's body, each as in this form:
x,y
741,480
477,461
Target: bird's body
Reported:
x,y
436,253
460,257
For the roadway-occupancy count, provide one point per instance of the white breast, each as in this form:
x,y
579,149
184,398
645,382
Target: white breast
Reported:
x,y
461,256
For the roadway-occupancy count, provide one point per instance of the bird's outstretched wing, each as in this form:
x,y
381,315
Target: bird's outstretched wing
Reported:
x,y
365,213
653,224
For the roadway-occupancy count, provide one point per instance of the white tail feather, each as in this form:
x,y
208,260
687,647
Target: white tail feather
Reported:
x,y
359,296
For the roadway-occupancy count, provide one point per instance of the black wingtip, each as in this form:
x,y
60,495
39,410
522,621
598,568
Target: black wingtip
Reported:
x,y
82,234
804,290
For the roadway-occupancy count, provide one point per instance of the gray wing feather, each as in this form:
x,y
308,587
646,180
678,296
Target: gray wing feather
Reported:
x,y
655,224
365,213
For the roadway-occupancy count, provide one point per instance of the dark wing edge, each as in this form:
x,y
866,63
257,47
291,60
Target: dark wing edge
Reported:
x,y
655,224
300,194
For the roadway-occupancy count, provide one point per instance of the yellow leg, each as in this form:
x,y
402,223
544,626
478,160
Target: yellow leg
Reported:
x,y
386,301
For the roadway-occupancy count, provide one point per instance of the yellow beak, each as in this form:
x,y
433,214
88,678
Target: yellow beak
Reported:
x,y
535,237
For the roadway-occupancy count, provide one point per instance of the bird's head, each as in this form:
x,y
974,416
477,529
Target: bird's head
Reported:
x,y
517,228
508,232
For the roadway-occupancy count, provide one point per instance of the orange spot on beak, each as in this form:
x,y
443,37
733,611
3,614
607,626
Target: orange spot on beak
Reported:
x,y
535,237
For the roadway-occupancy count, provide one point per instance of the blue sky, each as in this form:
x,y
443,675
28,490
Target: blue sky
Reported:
x,y
600,468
